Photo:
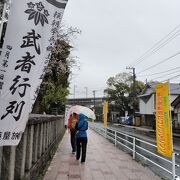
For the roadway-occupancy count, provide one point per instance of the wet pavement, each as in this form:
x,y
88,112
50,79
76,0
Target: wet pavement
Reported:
x,y
148,135
104,162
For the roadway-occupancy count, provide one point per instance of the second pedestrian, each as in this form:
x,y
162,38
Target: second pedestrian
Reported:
x,y
81,138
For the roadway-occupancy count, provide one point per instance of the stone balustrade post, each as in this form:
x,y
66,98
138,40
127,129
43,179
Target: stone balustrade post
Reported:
x,y
22,172
52,132
12,163
44,137
21,157
27,160
29,147
54,129
35,143
47,134
1,154
41,140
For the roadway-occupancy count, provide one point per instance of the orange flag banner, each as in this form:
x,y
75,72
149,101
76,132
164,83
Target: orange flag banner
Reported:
x,y
163,124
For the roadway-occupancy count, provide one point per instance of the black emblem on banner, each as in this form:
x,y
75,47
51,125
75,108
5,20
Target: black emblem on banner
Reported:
x,y
37,12
58,4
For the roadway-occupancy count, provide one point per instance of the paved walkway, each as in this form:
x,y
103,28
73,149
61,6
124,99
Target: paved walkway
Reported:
x,y
104,162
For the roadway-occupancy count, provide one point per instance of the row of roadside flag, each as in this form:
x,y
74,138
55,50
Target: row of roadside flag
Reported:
x,y
163,120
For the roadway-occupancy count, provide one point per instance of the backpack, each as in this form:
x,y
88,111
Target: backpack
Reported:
x,y
73,124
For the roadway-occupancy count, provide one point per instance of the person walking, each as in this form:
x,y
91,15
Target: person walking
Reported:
x,y
71,126
81,138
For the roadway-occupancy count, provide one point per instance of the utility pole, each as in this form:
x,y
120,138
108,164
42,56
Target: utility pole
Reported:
x,y
134,80
86,91
134,74
94,94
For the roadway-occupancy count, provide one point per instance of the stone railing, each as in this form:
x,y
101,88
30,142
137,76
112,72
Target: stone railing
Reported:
x,y
29,159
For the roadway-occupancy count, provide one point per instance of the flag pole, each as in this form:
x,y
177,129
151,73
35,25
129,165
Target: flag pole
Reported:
x,y
173,154
170,113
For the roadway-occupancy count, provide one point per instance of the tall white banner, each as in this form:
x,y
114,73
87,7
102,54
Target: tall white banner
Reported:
x,y
30,36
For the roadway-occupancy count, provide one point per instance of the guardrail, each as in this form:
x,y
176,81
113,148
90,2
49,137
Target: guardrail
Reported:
x,y
139,147
30,157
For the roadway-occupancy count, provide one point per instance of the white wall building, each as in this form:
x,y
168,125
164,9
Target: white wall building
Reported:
x,y
147,102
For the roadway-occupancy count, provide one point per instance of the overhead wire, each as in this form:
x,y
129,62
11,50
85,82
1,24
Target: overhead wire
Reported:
x,y
158,48
166,74
158,44
162,61
159,72
173,77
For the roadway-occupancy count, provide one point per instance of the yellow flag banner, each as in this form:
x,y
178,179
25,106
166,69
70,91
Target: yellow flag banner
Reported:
x,y
163,124
105,111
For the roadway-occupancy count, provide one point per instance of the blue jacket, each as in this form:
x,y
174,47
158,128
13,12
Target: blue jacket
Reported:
x,y
81,126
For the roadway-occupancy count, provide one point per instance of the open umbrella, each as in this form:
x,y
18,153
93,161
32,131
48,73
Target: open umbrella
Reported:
x,y
84,110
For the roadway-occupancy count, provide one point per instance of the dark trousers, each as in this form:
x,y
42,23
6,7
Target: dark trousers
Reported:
x,y
81,143
73,141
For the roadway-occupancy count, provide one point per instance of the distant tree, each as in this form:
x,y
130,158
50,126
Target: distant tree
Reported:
x,y
123,92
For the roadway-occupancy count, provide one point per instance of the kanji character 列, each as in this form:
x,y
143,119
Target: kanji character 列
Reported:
x,y
15,109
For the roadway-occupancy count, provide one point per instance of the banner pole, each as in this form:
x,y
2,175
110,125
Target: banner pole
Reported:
x,y
173,155
170,114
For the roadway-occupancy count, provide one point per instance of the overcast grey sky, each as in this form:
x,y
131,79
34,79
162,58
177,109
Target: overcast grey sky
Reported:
x,y
115,33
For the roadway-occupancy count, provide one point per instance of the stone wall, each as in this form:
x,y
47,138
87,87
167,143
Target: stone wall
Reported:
x,y
28,159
